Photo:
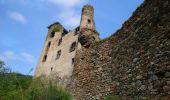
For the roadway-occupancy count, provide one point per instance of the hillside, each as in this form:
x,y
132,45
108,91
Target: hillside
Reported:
x,y
13,85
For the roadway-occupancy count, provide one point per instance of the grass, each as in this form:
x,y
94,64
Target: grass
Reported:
x,y
14,86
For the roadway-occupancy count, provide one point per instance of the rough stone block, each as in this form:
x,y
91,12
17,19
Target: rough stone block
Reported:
x,y
167,74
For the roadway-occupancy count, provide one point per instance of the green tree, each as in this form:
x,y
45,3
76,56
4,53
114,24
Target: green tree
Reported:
x,y
3,68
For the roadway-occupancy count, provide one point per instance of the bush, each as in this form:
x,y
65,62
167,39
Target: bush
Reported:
x,y
3,68
15,86
112,98
56,29
41,91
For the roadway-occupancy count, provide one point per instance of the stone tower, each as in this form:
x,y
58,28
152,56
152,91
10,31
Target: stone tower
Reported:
x,y
87,20
59,52
58,55
87,32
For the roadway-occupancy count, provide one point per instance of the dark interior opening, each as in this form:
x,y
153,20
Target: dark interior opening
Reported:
x,y
45,58
89,21
48,46
73,47
52,34
73,60
51,69
160,74
60,41
58,54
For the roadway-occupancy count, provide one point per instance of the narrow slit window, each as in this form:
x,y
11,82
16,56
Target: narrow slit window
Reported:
x,y
48,46
44,58
73,60
60,41
51,69
73,46
83,10
58,54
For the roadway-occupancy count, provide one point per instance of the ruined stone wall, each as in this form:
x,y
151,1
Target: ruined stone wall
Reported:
x,y
133,63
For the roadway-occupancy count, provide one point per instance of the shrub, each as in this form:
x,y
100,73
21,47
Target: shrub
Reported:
x,y
15,86
41,91
112,98
56,29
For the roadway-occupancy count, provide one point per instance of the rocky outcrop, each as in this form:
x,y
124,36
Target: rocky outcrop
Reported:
x,y
133,63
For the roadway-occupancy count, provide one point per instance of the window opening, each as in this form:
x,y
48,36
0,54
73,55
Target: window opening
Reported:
x,y
58,54
45,58
60,41
73,47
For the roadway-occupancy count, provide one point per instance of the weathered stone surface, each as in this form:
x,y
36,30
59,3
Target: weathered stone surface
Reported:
x,y
166,88
133,63
167,74
139,77
133,60
143,87
87,37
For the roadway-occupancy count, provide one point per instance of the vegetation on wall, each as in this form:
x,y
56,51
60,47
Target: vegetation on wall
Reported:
x,y
56,29
112,98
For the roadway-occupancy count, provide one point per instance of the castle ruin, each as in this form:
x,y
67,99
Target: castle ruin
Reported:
x,y
133,63
58,54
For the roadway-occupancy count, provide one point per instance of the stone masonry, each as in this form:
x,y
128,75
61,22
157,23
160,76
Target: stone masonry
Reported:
x,y
133,63
57,59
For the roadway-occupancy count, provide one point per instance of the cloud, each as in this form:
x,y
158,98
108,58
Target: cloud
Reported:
x,y
69,18
66,3
68,13
17,16
10,55
28,57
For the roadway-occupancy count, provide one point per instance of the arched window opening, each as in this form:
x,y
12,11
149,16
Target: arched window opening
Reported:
x,y
73,46
58,54
48,46
44,58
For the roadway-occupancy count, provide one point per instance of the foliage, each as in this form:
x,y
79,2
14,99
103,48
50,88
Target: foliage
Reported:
x,y
15,86
3,68
40,91
56,29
